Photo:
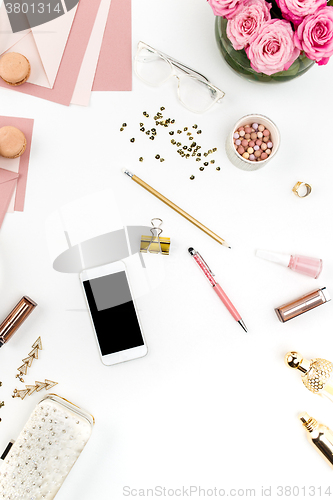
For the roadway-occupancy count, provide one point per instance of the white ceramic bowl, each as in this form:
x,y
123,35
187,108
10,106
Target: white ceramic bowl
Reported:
x,y
242,163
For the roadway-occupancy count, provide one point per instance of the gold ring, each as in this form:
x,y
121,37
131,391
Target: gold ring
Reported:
x,y
302,189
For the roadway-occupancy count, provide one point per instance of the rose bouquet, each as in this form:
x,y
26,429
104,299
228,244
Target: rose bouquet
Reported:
x,y
274,35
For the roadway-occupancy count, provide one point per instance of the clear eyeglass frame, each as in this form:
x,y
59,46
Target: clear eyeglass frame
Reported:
x,y
181,72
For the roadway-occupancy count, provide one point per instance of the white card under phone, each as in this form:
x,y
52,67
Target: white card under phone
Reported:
x,y
45,451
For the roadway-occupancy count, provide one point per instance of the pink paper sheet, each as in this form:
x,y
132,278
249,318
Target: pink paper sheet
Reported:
x,y
114,68
7,187
26,126
82,92
72,59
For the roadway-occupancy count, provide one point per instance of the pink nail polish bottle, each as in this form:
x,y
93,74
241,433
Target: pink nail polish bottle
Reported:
x,y
310,266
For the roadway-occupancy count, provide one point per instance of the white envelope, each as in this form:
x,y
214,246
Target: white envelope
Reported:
x,y
42,45
11,165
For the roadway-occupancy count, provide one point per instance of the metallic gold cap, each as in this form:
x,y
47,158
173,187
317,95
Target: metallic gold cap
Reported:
x,y
294,359
308,422
315,373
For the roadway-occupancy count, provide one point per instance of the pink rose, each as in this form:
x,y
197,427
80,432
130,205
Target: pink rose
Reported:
x,y
225,8
315,35
245,24
273,49
296,10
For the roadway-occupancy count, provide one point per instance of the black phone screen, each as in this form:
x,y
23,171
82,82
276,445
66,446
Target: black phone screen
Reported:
x,y
113,313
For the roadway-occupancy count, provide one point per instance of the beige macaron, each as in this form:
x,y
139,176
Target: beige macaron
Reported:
x,y
12,142
14,68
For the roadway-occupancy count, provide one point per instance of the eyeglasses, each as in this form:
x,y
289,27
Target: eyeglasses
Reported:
x,y
195,91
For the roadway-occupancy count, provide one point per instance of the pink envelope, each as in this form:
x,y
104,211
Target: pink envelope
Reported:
x,y
114,68
107,63
73,55
8,182
43,45
26,126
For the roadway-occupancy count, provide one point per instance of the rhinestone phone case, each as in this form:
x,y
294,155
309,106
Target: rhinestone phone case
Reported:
x,y
45,451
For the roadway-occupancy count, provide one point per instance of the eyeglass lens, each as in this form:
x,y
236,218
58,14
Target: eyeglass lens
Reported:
x,y
195,94
192,92
152,68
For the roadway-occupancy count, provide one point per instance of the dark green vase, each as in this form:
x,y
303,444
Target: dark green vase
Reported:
x,y
239,62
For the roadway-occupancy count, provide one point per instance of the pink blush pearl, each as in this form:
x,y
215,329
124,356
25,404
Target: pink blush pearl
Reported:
x,y
240,150
248,130
252,144
258,142
263,156
266,132
245,143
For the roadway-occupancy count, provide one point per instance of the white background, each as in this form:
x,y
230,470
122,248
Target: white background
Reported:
x,y
209,405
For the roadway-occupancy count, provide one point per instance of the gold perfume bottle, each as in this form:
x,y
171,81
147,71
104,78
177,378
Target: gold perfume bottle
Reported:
x,y
316,373
320,436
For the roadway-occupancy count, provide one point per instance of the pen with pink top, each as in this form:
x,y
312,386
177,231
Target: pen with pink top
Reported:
x,y
216,287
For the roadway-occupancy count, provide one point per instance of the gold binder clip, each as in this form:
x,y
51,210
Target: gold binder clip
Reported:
x,y
155,244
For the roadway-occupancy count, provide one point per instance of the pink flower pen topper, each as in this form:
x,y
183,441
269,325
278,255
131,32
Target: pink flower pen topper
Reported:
x,y
216,287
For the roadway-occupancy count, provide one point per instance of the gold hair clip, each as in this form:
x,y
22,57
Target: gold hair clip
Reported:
x,y
155,244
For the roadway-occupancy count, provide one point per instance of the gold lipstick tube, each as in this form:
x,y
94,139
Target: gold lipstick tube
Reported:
x,y
15,319
302,304
320,436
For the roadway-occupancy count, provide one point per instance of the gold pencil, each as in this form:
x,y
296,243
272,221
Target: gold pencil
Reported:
x,y
177,209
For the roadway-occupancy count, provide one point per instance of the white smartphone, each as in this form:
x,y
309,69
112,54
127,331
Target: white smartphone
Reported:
x,y
113,313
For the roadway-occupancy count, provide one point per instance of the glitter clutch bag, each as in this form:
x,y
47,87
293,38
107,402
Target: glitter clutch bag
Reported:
x,y
38,462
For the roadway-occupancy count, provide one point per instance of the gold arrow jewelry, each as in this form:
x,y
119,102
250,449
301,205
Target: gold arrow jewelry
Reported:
x,y
37,344
49,384
30,389
29,359
20,394
34,353
40,386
